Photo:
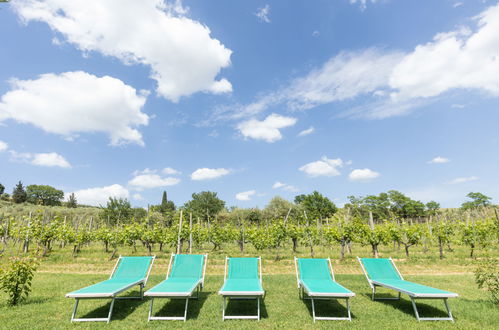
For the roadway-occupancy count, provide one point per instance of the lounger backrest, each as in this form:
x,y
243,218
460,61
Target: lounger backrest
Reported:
x,y
132,268
187,266
317,269
240,268
380,268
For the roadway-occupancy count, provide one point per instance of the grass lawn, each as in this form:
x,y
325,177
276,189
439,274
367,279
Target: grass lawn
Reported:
x,y
47,308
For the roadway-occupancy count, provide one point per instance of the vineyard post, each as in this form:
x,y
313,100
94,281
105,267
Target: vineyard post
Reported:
x,y
309,234
371,225
90,223
26,240
190,232
179,231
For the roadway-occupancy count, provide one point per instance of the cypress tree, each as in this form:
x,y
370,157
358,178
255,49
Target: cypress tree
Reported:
x,y
19,193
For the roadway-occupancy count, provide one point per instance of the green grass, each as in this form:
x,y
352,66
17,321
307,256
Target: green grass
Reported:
x,y
47,308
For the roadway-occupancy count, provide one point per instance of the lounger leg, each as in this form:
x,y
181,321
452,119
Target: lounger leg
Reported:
x,y
313,309
448,318
448,309
223,308
150,310
415,308
348,310
74,309
110,311
185,313
258,304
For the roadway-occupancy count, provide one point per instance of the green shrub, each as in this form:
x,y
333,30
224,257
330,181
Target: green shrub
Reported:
x,y
16,279
487,276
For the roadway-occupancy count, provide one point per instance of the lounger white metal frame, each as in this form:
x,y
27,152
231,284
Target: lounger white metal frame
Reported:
x,y
242,295
306,294
412,295
178,295
113,297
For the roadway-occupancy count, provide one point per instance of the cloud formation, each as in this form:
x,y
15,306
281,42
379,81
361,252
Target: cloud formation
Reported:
x,y
3,146
363,175
100,195
49,159
307,131
322,167
77,102
284,186
267,129
182,56
263,13
245,195
463,179
438,160
208,173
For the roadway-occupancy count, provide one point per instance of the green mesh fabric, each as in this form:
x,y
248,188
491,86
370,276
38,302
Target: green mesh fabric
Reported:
x,y
240,268
316,269
132,268
380,268
187,266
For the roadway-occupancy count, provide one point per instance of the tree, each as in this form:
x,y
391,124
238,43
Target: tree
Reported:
x,y
19,194
166,206
44,195
72,202
404,207
432,207
204,205
316,205
2,189
278,208
117,210
478,199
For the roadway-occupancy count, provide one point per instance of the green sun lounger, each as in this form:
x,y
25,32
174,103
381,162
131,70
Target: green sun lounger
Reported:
x,y
315,278
242,280
383,272
185,276
127,273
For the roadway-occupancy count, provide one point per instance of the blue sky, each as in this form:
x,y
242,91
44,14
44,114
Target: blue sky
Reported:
x,y
251,99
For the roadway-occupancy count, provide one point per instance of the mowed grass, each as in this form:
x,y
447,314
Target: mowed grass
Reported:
x,y
46,307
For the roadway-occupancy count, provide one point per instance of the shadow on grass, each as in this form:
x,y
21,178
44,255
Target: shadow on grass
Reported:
x,y
176,307
244,307
405,305
328,308
122,307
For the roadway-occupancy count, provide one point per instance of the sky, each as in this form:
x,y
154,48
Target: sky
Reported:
x,y
250,99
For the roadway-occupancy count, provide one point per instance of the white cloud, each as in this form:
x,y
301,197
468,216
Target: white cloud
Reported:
x,y
49,159
315,33
284,186
363,175
148,181
307,131
459,59
100,195
208,173
170,171
392,82
3,146
323,167
245,195
457,4
138,197
76,102
363,3
263,13
463,179
438,160
343,77
182,56
267,129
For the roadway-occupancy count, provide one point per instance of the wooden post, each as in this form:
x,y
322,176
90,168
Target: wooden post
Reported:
x,y
371,220
179,231
190,233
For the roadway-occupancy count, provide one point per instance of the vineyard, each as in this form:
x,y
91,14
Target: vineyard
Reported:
x,y
45,232
79,246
